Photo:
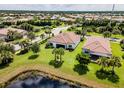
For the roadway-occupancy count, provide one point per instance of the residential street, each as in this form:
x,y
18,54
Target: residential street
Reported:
x,y
57,30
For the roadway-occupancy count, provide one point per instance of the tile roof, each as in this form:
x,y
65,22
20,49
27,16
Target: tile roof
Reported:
x,y
65,38
98,44
4,31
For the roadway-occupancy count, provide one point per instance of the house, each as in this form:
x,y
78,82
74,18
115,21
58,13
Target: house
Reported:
x,y
67,40
4,31
98,46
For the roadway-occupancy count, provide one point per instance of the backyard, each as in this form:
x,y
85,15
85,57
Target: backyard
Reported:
x,y
45,56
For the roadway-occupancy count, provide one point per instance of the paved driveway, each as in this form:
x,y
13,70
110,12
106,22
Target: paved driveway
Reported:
x,y
57,30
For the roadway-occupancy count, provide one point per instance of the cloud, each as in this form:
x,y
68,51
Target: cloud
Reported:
x,y
62,7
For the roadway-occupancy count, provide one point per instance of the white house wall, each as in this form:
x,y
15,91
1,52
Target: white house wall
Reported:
x,y
66,45
98,54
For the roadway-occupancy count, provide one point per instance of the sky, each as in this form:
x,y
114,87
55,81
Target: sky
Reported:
x,y
62,7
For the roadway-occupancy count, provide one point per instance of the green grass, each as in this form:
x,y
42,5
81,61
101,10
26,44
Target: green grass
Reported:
x,y
69,61
97,34
40,32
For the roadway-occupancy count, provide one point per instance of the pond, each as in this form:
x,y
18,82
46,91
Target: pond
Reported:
x,y
40,82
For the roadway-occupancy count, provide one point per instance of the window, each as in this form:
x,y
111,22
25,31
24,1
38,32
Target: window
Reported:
x,y
70,46
87,51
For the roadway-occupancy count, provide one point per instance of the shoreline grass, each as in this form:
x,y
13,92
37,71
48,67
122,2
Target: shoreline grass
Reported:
x,y
22,62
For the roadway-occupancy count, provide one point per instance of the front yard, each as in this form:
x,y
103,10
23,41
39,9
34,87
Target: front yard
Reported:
x,y
45,56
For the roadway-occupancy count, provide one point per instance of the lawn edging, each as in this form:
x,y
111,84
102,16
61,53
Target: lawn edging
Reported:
x,y
4,80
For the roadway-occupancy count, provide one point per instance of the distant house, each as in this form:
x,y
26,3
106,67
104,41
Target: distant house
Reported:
x,y
68,40
4,31
97,46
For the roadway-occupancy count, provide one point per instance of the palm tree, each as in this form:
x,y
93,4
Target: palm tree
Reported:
x,y
55,51
61,52
42,36
24,44
48,32
103,61
10,35
115,62
83,32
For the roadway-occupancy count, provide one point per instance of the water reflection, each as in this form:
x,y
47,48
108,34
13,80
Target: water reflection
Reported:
x,y
39,82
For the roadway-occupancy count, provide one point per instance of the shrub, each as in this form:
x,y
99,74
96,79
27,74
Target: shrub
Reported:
x,y
2,26
122,46
83,58
24,51
48,45
82,39
56,64
35,47
123,56
44,41
36,29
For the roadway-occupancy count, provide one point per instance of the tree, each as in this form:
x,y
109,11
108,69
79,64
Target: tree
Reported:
x,y
31,35
90,30
122,31
6,56
0,59
83,32
83,59
123,55
58,52
116,31
55,52
35,47
13,35
115,62
6,53
101,29
107,34
42,35
9,47
103,61
109,27
48,32
25,45
26,26
61,52
10,35
122,43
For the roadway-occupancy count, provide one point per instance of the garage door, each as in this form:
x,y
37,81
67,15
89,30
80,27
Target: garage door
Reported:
x,y
60,46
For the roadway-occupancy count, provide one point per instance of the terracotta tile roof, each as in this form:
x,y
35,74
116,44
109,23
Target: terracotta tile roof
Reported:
x,y
65,38
98,44
4,31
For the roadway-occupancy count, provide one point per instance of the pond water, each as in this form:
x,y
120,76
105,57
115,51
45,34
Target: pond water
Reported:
x,y
40,82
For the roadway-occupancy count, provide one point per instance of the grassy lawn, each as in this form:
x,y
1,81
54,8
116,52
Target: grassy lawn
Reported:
x,y
40,32
69,61
97,34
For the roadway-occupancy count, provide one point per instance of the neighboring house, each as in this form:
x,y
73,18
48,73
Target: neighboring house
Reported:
x,y
17,47
97,46
4,31
68,40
